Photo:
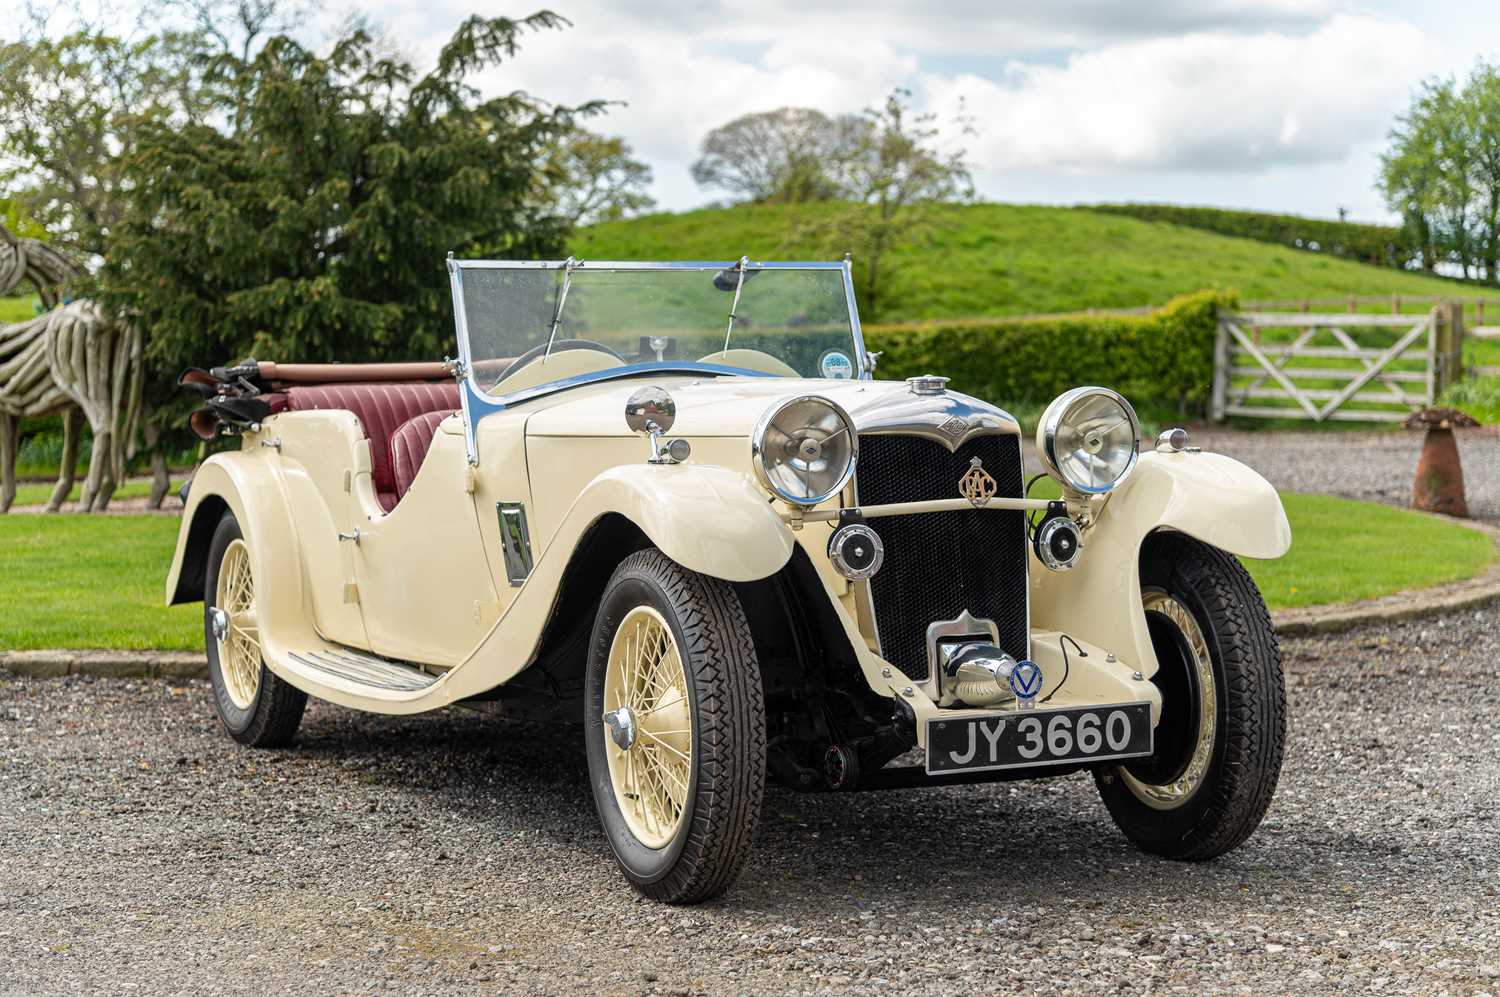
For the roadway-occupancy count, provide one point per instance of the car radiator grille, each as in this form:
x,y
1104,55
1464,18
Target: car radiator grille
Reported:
x,y
938,564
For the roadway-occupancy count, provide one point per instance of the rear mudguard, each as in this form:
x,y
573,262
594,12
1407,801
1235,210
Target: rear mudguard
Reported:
x,y
249,485
1209,497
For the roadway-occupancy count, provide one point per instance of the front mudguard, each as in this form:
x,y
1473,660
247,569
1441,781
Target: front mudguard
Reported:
x,y
708,519
1210,497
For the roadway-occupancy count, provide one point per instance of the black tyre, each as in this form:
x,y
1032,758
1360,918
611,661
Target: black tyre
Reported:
x,y
258,709
675,727
1222,733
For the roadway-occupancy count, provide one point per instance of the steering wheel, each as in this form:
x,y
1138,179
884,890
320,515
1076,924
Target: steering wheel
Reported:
x,y
561,344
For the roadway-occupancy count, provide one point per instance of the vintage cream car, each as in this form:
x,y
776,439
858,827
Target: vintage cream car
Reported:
x,y
671,502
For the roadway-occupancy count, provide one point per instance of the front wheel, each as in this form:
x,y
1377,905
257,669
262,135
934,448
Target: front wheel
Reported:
x,y
676,729
258,708
1222,732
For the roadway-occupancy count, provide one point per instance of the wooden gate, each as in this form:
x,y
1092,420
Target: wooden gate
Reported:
x,y
1320,367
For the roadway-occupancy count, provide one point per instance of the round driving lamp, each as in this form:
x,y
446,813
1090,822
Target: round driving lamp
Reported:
x,y
804,450
1088,439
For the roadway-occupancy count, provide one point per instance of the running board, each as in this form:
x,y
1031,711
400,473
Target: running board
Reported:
x,y
363,669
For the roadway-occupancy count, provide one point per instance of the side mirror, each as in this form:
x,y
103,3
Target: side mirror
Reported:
x,y
650,410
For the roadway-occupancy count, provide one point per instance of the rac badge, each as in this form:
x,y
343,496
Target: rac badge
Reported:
x,y
976,485
1026,682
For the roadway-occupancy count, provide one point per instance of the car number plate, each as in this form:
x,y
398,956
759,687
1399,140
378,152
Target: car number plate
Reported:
x,y
1027,738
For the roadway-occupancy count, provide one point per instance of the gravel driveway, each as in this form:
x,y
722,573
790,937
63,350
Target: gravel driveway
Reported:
x,y
142,851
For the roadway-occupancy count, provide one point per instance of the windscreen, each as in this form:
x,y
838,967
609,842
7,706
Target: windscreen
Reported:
x,y
525,322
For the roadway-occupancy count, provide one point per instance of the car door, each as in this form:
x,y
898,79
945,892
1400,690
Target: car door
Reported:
x,y
425,586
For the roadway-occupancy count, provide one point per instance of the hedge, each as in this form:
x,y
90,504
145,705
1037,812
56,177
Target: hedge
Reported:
x,y
1164,357
1383,245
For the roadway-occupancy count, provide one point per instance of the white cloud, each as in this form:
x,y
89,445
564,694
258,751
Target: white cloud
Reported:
x,y
1206,101
674,87
976,26
1233,101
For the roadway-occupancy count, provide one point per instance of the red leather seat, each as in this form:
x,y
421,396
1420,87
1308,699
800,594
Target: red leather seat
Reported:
x,y
381,410
409,445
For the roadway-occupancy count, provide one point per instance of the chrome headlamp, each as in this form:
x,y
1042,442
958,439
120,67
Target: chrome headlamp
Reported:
x,y
804,449
1088,438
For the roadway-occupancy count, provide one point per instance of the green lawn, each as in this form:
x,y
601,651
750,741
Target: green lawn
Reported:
x,y
96,582
36,494
1343,551
90,581
1009,259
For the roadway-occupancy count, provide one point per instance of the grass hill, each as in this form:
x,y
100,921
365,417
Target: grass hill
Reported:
x,y
1007,259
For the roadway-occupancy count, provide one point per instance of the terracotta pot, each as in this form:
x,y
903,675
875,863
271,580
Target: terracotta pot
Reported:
x,y
1439,486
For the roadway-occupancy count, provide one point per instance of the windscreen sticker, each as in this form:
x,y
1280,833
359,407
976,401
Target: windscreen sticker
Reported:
x,y
836,364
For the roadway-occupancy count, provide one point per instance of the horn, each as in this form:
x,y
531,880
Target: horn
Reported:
x,y
204,423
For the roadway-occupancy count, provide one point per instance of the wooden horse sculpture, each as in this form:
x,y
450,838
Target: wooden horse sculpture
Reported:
x,y
74,361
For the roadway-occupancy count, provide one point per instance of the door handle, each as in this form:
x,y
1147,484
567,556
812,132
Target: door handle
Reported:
x,y
351,535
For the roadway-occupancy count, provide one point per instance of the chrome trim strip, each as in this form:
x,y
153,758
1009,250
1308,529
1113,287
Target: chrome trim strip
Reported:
x,y
951,418
515,541
862,357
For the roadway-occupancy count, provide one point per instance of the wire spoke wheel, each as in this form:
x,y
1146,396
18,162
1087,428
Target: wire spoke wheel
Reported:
x,y
238,633
1190,692
1221,734
648,731
675,728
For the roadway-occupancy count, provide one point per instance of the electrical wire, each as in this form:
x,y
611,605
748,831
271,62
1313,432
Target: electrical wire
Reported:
x,y
1067,667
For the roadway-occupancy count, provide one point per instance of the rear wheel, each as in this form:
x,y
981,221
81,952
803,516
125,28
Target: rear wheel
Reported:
x,y
675,727
257,708
1220,740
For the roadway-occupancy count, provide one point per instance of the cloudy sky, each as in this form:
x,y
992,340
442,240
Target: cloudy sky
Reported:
x,y
1274,104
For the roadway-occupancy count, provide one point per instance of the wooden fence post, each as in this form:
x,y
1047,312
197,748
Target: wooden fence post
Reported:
x,y
1220,396
1450,366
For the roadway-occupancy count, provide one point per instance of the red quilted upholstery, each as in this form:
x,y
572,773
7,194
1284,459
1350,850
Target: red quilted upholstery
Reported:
x,y
409,445
381,409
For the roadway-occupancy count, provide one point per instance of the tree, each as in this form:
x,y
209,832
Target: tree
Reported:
x,y
892,179
1481,97
590,178
316,227
71,110
788,155
1442,172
